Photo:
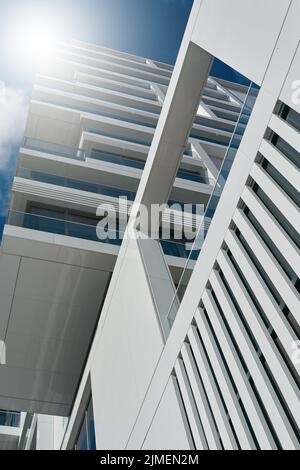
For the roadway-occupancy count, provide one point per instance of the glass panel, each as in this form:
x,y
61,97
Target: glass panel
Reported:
x,y
218,141
124,136
76,184
290,190
91,426
10,418
82,441
44,224
291,116
81,185
52,148
83,226
62,227
43,177
47,211
292,154
127,161
290,230
214,198
174,248
82,218
81,231
189,175
117,159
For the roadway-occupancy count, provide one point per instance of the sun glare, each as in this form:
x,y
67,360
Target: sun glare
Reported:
x,y
36,41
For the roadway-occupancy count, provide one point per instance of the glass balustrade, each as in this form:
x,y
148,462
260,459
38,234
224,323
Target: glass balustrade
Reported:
x,y
193,176
82,154
61,226
221,141
139,122
53,149
214,199
116,159
134,163
10,418
214,124
75,184
124,136
175,248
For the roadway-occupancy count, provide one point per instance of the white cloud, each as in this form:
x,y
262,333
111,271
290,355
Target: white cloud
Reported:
x,y
13,112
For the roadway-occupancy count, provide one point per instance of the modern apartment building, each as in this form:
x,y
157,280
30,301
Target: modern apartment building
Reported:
x,y
144,343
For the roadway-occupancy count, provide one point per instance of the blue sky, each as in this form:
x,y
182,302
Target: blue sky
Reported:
x,y
150,28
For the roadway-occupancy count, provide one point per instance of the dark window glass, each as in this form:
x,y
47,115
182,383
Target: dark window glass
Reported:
x,y
82,442
86,437
290,230
291,116
281,181
55,213
91,426
286,149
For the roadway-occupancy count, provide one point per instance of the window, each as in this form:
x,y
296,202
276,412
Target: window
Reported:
x,y
10,418
288,151
290,116
86,439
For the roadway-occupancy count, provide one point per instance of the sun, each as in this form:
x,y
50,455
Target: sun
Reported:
x,y
36,41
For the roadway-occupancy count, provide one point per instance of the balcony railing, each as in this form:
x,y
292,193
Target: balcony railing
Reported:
x,y
85,231
75,184
105,190
116,159
134,163
53,149
214,198
176,248
82,154
10,418
60,227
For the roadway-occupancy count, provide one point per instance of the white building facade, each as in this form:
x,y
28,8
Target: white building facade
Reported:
x,y
143,343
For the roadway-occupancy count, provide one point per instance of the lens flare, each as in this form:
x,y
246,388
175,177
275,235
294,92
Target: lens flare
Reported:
x,y
36,40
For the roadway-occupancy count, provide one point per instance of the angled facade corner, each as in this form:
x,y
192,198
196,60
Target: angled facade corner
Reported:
x,y
142,343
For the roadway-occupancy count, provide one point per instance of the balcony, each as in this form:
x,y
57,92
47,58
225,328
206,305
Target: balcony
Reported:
x,y
10,418
83,154
135,163
10,429
52,287
84,231
61,227
53,149
49,178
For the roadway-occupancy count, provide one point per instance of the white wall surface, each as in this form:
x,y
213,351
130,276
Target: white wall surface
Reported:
x,y
126,354
241,33
244,35
42,323
274,81
169,428
45,432
291,90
